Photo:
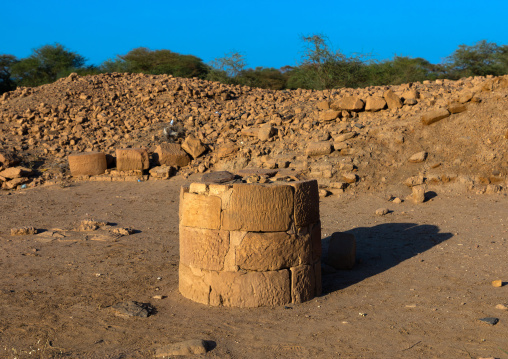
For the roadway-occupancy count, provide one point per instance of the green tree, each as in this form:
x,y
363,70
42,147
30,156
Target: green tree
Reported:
x,y
46,64
6,81
266,78
157,62
483,58
322,68
402,69
225,69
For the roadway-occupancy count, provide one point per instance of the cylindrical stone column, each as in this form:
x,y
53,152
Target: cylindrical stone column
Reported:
x,y
250,245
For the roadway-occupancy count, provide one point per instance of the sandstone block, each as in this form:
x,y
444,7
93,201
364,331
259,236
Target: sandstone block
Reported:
x,y
132,159
323,105
328,115
392,100
226,150
272,251
87,164
201,211
259,208
191,283
457,108
23,231
349,103
418,194
318,148
266,132
434,116
203,248
171,154
15,172
418,157
344,137
306,202
342,251
193,146
249,289
303,283
375,103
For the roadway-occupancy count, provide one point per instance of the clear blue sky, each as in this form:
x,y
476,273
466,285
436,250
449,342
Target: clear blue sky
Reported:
x,y
266,32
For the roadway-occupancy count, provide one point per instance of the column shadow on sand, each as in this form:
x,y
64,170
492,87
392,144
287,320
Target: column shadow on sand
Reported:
x,y
380,248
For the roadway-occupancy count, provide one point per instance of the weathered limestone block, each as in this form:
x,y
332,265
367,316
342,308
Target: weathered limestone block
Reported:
x,y
303,283
87,164
249,289
191,283
203,248
259,208
375,103
132,159
328,115
349,103
193,146
272,251
171,154
392,100
201,211
434,116
306,202
318,148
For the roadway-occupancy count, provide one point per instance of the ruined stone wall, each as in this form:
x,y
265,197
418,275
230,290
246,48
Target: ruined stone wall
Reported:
x,y
249,245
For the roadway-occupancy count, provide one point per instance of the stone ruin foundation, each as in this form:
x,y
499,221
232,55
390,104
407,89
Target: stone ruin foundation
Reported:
x,y
250,245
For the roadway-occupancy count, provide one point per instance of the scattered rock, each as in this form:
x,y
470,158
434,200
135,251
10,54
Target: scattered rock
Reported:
x,y
392,100
189,347
418,195
123,231
133,309
397,200
318,148
23,231
266,132
502,306
497,283
382,211
90,225
171,154
490,320
218,177
375,103
418,157
193,146
434,116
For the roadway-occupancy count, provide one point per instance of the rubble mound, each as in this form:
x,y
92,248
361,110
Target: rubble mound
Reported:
x,y
349,139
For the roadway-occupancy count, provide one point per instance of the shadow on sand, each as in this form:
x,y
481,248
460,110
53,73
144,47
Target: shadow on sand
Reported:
x,y
380,248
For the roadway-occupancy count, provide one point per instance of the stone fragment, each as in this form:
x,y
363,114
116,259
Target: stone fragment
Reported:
x,y
342,251
410,95
414,181
318,148
344,137
349,103
434,116
303,283
382,211
189,347
266,132
323,105
162,172
270,251
306,202
502,306
15,172
457,108
171,154
132,159
201,211
12,184
23,231
328,115
8,158
249,289
123,231
392,100
226,150
90,225
375,103
259,208
497,283
418,194
418,157
203,248
133,309
193,146
349,177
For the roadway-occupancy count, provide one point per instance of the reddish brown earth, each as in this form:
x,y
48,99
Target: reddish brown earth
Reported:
x,y
423,275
